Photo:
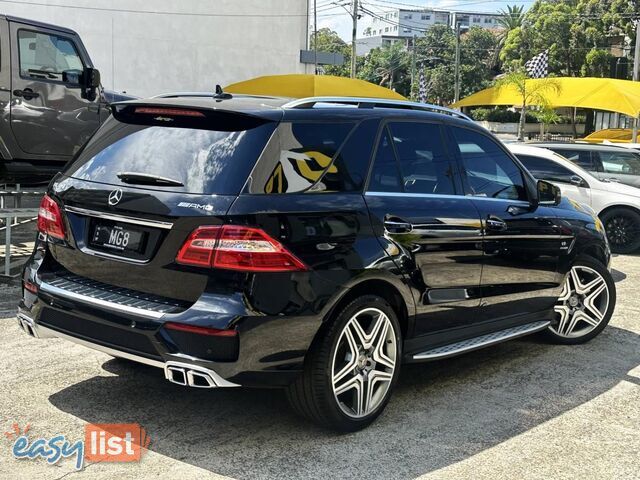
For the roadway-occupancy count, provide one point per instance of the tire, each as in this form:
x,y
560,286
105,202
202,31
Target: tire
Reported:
x,y
585,305
364,364
623,229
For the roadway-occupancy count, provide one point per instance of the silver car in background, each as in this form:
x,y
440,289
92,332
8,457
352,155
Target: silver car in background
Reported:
x,y
605,162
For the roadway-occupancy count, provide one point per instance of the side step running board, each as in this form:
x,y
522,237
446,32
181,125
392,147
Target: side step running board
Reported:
x,y
481,341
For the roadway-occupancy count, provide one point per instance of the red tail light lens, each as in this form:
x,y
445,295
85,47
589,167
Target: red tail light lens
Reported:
x,y
237,248
50,218
213,332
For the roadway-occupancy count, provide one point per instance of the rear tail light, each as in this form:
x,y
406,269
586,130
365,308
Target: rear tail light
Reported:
x,y
237,248
213,332
50,218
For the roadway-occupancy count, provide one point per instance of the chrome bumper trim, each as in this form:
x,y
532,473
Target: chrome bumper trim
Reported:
x,y
116,307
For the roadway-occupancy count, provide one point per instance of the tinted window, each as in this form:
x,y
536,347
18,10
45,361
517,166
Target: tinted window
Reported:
x,y
581,158
423,164
46,56
620,162
544,169
490,172
385,176
205,161
298,156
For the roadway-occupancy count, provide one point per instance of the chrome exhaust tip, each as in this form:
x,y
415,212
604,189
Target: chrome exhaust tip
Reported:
x,y
190,375
27,324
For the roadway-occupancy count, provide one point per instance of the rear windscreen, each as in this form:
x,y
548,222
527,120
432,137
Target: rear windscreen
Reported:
x,y
203,161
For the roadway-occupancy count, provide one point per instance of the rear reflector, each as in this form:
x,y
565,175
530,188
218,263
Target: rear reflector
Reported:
x,y
176,112
31,287
50,218
237,248
214,332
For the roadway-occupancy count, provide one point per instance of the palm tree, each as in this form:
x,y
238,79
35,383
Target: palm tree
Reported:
x,y
531,92
393,58
512,17
509,19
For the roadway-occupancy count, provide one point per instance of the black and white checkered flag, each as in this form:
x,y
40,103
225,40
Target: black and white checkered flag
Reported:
x,y
538,66
422,87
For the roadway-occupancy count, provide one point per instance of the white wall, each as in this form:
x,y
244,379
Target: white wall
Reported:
x,y
198,44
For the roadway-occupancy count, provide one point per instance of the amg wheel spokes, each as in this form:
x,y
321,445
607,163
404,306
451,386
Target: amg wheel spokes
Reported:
x,y
363,363
582,304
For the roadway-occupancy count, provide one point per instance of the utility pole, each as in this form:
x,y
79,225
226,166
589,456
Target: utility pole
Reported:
x,y
636,76
456,95
413,69
354,31
315,38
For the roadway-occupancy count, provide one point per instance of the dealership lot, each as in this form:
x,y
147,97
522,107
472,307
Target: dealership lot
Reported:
x,y
523,409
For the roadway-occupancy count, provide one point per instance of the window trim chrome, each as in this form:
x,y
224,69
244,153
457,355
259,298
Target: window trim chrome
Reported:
x,y
118,217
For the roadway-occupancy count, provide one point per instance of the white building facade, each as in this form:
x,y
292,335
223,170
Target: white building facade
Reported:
x,y
150,47
401,24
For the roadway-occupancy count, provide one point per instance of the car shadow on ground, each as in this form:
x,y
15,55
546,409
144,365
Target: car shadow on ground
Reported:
x,y
440,413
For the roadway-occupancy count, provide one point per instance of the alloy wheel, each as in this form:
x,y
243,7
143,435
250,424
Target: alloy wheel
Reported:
x,y
583,303
622,230
364,361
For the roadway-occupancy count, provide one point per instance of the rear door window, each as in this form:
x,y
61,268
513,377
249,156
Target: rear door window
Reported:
x,y
204,161
620,162
410,158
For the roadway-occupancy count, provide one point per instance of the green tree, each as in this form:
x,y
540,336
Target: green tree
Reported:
x,y
597,63
510,19
330,41
388,66
530,92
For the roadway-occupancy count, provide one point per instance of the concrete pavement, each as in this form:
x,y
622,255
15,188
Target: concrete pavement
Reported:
x,y
523,409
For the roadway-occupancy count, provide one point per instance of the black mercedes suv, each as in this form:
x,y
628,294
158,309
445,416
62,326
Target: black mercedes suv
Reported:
x,y
314,245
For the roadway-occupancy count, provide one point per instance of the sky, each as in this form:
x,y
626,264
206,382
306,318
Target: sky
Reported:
x,y
336,18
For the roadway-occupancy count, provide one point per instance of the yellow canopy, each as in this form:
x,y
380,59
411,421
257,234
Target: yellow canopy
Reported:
x,y
301,86
608,94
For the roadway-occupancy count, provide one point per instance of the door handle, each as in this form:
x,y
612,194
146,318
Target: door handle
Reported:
x,y
496,224
397,226
27,94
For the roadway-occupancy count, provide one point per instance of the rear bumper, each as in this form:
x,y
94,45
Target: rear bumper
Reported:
x,y
184,371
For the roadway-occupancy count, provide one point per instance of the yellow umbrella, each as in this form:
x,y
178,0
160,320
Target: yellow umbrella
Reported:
x,y
608,94
301,86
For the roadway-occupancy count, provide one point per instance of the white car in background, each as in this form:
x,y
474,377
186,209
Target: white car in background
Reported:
x,y
617,205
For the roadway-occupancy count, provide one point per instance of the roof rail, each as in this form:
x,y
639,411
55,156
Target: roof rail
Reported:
x,y
364,102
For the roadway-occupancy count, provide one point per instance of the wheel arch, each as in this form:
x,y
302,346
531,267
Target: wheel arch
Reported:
x,y
616,206
382,288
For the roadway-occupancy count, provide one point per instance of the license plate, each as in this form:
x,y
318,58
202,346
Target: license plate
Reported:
x,y
118,238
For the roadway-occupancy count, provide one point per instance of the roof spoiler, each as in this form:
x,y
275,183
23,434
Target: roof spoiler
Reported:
x,y
178,116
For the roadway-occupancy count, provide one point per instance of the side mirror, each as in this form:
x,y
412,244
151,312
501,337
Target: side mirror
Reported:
x,y
90,83
91,77
548,193
577,180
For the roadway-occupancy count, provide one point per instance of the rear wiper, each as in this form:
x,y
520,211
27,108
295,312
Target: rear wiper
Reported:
x,y
148,179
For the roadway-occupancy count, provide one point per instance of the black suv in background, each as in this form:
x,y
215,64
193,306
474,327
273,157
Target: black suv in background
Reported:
x,y
314,245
